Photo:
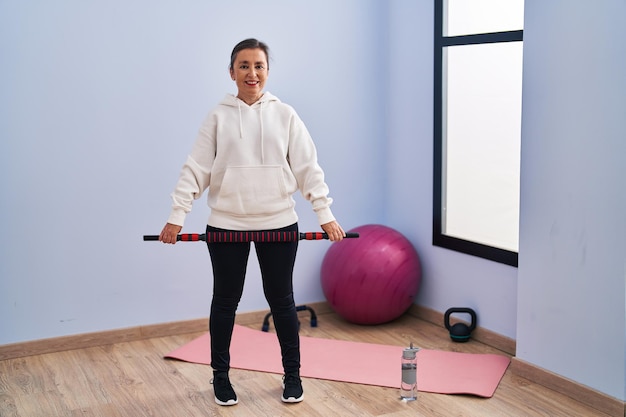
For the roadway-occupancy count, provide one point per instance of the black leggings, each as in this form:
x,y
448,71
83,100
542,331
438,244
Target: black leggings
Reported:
x,y
276,261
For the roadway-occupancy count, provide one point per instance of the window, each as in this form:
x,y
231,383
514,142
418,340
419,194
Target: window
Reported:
x,y
477,127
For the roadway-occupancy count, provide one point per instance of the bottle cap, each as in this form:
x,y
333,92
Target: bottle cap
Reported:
x,y
410,352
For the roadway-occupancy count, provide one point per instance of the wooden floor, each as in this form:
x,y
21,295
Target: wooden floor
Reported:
x,y
133,380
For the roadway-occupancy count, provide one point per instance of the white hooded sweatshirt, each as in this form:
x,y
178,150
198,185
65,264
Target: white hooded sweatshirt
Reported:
x,y
252,159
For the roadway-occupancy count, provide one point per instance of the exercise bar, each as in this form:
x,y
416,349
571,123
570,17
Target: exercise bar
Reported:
x,y
251,236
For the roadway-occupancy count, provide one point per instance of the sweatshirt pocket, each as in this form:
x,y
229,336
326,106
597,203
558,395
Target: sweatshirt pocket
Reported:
x,y
253,190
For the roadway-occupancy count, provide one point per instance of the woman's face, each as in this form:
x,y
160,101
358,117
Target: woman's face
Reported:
x,y
250,72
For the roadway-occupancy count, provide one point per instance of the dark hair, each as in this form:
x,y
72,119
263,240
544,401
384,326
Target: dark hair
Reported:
x,y
250,43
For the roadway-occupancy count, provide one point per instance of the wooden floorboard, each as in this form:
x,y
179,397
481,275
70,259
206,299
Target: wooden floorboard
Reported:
x,y
131,379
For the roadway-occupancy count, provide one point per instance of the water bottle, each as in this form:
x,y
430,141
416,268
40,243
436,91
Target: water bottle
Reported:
x,y
408,386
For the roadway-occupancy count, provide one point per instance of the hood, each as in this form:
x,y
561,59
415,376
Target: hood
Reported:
x,y
232,101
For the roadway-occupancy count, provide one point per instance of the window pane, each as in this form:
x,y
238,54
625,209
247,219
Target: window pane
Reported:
x,y
482,98
467,17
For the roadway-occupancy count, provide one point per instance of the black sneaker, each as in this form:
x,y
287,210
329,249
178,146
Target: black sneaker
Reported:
x,y
224,392
292,388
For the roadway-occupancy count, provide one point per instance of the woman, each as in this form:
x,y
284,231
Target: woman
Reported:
x,y
253,153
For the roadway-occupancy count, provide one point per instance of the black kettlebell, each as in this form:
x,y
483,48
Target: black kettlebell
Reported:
x,y
460,332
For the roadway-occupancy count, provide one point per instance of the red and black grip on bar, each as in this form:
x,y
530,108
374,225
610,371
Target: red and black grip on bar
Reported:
x,y
252,236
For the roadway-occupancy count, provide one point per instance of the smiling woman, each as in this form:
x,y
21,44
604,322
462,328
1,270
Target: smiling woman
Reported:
x,y
252,153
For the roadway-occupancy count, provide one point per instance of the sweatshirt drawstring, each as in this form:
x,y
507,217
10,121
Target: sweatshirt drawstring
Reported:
x,y
261,104
240,122
261,118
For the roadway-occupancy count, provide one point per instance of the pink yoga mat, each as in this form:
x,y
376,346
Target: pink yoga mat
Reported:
x,y
363,363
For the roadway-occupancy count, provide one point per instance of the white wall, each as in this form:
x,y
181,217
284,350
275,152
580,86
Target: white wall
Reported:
x,y
100,102
572,268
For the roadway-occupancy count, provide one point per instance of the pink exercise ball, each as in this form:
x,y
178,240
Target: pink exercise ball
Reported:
x,y
371,279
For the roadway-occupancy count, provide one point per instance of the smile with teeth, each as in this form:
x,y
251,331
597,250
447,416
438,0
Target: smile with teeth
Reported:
x,y
252,82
